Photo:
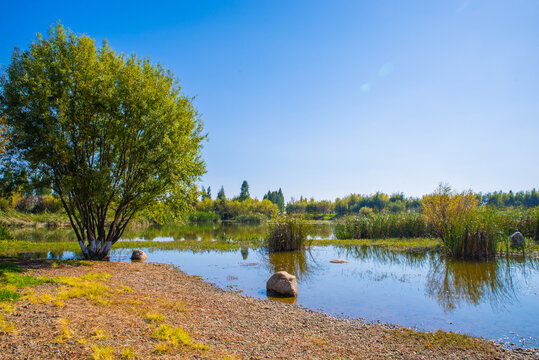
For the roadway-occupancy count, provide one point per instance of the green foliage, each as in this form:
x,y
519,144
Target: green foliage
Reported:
x,y
35,204
203,216
382,226
221,194
4,233
113,133
244,191
499,199
525,221
466,231
288,233
205,193
311,207
277,198
353,203
366,211
237,210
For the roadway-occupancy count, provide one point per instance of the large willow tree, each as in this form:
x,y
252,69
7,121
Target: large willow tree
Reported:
x,y
113,133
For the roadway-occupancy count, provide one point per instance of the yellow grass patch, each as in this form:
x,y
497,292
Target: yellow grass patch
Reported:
x,y
127,353
155,317
100,334
65,332
102,352
176,337
5,326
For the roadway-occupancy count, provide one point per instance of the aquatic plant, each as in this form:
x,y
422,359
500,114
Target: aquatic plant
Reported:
x,y
467,232
288,233
382,226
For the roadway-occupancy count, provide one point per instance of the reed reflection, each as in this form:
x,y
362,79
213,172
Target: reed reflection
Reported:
x,y
382,255
457,283
301,264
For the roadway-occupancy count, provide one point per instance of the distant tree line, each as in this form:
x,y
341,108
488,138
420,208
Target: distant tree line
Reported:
x,y
398,202
277,198
527,199
239,208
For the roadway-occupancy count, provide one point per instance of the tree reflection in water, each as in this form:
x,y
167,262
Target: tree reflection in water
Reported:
x,y
455,283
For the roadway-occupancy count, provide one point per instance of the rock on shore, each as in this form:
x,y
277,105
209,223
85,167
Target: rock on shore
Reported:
x,y
283,284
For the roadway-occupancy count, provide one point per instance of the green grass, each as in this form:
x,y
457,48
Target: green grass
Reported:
x,y
11,280
16,218
412,244
4,233
382,225
8,294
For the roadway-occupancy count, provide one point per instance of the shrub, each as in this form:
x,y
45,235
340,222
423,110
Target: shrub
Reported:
x,y
48,203
24,203
202,216
4,233
5,204
466,231
366,211
287,234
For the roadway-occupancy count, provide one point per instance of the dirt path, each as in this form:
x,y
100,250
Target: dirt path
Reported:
x,y
154,311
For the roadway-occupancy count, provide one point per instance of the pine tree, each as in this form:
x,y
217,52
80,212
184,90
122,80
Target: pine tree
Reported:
x,y
221,194
244,192
280,200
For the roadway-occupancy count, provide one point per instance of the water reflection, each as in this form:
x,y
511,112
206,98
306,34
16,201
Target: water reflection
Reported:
x,y
244,252
197,232
301,264
320,231
455,283
288,300
382,255
201,232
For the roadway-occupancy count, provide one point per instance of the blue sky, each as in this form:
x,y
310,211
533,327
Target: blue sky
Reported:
x,y
328,98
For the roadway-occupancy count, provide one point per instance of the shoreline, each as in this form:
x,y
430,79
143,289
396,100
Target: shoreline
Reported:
x,y
141,298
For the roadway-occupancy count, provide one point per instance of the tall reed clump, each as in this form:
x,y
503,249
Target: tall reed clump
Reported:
x,y
525,221
382,226
467,232
288,233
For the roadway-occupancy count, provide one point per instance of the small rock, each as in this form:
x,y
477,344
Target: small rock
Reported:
x,y
517,240
138,255
283,284
338,261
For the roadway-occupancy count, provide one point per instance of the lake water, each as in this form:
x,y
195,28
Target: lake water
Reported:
x,y
497,300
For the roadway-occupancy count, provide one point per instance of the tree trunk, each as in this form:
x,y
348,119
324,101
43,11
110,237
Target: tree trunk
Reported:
x,y
99,250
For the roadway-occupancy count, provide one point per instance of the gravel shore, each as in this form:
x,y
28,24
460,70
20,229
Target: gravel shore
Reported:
x,y
142,297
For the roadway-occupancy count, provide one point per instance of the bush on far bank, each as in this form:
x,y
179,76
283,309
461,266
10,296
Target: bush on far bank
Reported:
x,y
34,204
